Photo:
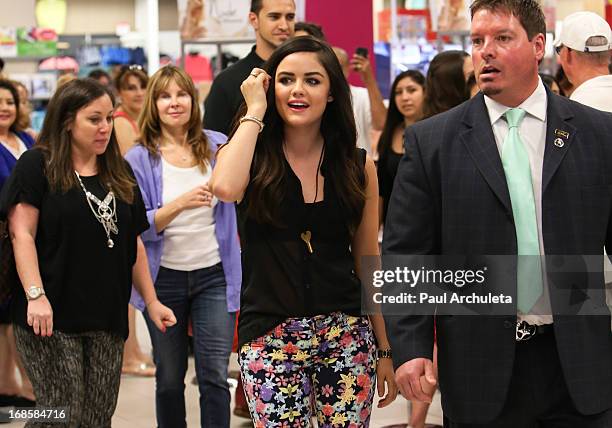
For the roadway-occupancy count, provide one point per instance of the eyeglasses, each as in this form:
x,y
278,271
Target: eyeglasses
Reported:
x,y
135,67
127,68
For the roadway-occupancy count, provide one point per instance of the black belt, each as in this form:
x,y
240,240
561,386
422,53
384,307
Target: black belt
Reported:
x,y
526,331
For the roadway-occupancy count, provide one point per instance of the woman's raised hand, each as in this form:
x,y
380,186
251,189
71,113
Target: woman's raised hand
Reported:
x,y
254,90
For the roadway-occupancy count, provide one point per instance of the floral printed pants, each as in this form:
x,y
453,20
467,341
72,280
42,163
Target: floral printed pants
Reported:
x,y
327,358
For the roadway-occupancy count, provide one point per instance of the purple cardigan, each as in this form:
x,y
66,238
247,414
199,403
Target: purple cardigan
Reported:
x,y
148,171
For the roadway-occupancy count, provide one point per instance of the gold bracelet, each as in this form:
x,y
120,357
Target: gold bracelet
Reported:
x,y
253,119
383,353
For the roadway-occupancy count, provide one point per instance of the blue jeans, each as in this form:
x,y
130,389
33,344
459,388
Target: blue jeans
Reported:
x,y
198,295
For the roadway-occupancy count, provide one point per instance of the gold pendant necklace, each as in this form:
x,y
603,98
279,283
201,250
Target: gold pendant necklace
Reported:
x,y
306,236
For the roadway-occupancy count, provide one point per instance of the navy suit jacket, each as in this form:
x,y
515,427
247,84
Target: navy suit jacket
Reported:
x,y
450,197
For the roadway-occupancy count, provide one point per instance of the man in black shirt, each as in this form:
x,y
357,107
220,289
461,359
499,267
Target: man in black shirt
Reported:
x,y
273,22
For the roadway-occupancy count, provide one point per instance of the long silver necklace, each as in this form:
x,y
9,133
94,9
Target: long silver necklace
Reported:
x,y
106,212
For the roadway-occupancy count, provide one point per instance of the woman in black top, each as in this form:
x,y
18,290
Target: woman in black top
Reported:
x,y
307,214
446,85
405,108
75,215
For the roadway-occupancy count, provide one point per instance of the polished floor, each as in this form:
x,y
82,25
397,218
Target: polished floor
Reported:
x,y
136,408
136,405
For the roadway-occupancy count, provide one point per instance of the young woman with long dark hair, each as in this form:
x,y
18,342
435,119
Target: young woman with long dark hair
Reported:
x,y
446,82
405,108
307,214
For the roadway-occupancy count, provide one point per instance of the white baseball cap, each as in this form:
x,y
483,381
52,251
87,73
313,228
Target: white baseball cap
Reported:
x,y
578,27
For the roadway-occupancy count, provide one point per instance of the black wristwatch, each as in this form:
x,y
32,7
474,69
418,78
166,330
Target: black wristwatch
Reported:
x,y
383,353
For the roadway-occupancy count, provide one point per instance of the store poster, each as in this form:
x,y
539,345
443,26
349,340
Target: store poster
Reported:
x,y
40,85
450,15
214,19
32,41
8,42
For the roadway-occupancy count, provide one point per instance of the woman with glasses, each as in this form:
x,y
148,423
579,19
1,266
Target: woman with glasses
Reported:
x,y
131,85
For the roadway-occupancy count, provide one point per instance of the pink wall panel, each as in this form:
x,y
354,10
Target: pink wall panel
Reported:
x,y
347,24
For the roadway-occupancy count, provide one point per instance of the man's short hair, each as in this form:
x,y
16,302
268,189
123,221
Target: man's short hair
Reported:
x,y
598,58
98,74
311,29
256,6
528,12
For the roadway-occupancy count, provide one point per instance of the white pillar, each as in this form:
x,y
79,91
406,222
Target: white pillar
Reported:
x,y
146,19
300,10
394,38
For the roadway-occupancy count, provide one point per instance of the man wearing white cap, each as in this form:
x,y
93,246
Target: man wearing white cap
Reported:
x,y
583,46
587,39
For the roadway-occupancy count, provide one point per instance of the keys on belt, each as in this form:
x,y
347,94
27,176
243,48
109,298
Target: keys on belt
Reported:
x,y
525,331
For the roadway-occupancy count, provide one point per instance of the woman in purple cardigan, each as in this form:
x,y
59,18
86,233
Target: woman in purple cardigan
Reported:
x,y
192,246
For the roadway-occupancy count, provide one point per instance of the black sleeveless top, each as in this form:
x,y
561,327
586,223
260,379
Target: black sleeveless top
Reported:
x,y
280,278
387,170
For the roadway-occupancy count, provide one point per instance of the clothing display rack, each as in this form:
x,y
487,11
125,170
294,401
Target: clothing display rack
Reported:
x,y
219,42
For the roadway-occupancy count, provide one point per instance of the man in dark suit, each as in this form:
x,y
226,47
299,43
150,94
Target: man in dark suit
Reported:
x,y
461,189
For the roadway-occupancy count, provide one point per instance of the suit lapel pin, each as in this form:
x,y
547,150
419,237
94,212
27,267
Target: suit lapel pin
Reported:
x,y
559,142
560,133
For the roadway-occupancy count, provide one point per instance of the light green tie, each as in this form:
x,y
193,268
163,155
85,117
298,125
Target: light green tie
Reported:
x,y
518,176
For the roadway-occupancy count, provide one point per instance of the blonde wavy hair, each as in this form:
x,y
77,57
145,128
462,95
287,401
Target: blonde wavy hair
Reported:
x,y
150,123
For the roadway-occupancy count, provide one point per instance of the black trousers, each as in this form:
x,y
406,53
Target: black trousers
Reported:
x,y
538,396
